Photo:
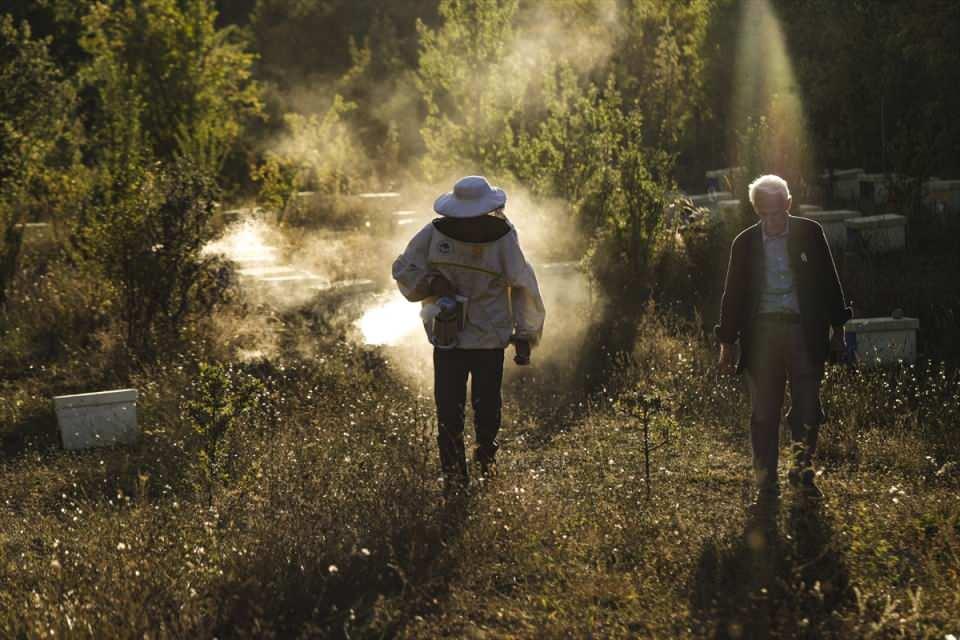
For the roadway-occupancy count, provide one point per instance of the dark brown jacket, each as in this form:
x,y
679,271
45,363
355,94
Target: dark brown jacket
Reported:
x,y
814,278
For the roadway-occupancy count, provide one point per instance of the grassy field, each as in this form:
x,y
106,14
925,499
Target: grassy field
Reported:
x,y
298,497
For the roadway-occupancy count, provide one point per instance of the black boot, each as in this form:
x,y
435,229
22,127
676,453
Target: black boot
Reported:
x,y
486,456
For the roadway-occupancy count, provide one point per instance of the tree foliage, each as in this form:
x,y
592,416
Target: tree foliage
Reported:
x,y
538,96
148,239
162,72
170,94
35,116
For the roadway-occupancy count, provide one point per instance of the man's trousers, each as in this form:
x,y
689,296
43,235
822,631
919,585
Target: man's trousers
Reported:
x,y
450,371
778,354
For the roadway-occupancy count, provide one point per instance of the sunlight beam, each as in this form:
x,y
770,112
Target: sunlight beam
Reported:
x,y
770,131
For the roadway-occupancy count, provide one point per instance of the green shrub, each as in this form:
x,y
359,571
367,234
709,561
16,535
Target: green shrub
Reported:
x,y
35,115
147,238
226,411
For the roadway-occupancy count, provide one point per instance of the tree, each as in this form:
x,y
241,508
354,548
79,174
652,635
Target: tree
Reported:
x,y
468,114
162,69
35,115
170,96
147,238
661,64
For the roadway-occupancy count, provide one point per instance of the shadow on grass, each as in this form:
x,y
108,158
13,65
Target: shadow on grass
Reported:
x,y
36,432
768,583
411,572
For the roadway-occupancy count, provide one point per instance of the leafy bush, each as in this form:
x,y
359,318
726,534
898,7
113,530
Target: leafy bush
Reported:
x,y
164,72
148,240
35,115
226,410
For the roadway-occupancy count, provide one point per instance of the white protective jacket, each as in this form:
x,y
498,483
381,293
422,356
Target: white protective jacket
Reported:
x,y
504,297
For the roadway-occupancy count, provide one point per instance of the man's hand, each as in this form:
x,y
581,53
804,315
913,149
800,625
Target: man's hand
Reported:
x,y
838,345
522,351
728,358
441,287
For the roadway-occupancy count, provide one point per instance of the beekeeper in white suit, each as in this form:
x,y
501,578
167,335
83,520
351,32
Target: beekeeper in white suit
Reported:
x,y
479,295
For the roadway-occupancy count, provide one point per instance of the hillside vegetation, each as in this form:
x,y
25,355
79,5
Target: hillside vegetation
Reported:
x,y
286,483
300,497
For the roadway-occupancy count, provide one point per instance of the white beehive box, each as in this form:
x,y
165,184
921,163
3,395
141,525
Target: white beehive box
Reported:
x,y
873,188
877,234
804,209
97,419
36,233
846,184
346,287
709,200
407,220
717,179
834,225
727,209
943,195
877,341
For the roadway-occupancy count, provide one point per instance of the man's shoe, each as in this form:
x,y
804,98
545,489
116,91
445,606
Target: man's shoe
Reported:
x,y
804,481
488,469
485,457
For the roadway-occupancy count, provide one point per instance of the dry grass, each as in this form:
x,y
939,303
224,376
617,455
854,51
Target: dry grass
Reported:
x,y
298,497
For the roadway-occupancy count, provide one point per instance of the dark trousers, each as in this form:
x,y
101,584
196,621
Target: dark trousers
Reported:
x,y
450,371
779,354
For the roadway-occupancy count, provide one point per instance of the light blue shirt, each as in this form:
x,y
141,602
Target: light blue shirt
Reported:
x,y
778,295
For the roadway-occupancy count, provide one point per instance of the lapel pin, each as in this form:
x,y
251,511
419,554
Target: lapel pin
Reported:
x,y
803,256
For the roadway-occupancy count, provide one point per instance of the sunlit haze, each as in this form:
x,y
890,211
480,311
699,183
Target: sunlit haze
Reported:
x,y
389,323
766,89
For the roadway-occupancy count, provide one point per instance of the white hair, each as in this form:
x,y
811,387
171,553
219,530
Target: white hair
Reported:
x,y
771,185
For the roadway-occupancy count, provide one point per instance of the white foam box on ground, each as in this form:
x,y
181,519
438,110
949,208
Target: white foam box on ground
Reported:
x,y
720,178
378,202
846,183
407,219
877,341
35,233
97,419
728,207
267,271
356,286
873,188
834,224
943,195
877,234
709,200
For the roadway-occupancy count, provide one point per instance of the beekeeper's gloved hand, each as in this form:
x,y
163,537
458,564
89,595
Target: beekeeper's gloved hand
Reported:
x,y
441,287
522,348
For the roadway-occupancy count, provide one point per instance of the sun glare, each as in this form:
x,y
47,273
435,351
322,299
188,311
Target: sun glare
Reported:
x,y
766,91
389,323
245,244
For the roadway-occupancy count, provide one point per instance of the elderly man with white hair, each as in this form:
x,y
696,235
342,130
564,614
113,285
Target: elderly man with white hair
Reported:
x,y
784,305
